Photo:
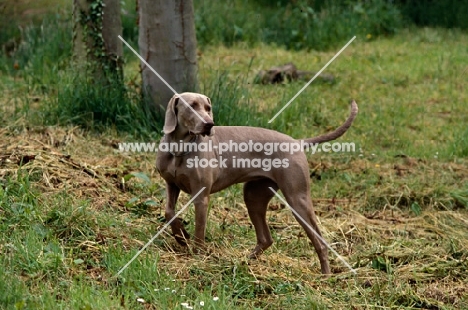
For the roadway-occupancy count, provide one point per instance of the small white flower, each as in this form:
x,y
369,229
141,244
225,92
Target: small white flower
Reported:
x,y
166,288
173,291
184,304
156,289
141,300
215,298
202,303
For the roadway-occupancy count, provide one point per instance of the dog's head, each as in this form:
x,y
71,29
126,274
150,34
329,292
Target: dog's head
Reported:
x,y
191,113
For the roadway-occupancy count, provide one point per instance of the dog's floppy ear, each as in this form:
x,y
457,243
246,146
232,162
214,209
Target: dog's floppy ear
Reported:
x,y
212,131
170,122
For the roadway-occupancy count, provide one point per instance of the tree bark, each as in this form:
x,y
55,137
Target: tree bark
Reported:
x,y
96,46
111,29
168,43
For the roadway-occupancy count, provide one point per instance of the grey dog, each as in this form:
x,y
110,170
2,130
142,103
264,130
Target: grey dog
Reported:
x,y
290,174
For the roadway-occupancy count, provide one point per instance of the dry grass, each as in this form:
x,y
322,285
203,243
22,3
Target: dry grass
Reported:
x,y
401,259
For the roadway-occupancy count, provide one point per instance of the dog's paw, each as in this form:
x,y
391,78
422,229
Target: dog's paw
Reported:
x,y
182,238
179,232
255,253
252,255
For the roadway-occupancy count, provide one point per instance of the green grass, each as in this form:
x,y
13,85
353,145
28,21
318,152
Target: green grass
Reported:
x,y
72,214
411,99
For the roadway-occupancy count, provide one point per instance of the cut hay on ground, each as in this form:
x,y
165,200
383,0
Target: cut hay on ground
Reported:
x,y
414,260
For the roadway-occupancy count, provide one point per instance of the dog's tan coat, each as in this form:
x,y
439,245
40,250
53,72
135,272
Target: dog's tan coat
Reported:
x,y
182,124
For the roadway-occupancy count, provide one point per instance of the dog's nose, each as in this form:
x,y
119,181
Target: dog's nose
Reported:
x,y
207,128
208,125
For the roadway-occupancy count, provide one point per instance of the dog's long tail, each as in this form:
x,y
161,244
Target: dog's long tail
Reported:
x,y
337,132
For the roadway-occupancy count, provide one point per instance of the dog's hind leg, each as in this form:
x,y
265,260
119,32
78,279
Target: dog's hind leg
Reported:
x,y
297,195
256,196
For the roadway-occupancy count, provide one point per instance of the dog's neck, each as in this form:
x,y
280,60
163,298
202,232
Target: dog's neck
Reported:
x,y
180,136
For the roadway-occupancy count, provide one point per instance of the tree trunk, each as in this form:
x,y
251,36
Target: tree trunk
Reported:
x,y
168,43
96,46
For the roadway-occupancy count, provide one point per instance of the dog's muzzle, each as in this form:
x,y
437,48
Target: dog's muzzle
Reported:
x,y
207,129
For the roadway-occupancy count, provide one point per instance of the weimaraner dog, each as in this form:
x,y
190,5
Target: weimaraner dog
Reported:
x,y
290,174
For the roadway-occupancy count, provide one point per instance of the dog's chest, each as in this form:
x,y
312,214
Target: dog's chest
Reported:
x,y
174,173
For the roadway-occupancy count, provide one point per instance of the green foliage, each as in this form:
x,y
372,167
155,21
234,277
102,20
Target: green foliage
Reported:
x,y
438,13
41,65
318,25
95,106
42,51
18,202
100,60
129,22
461,197
226,93
11,291
459,147
297,25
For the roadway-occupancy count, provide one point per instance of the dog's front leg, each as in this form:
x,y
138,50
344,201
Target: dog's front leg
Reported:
x,y
201,215
178,230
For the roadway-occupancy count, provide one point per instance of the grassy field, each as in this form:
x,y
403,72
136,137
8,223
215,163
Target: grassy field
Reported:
x,y
74,210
